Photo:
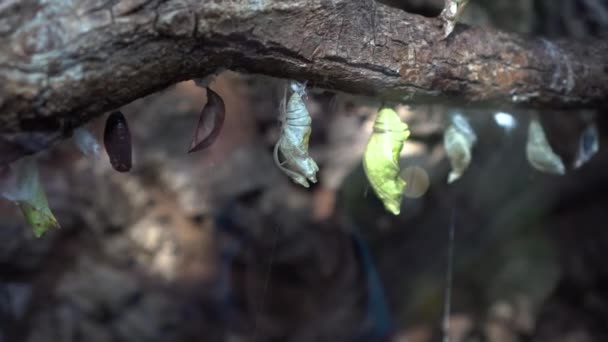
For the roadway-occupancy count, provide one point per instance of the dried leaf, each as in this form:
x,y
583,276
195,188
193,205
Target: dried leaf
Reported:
x,y
458,141
210,122
539,153
381,159
117,140
294,139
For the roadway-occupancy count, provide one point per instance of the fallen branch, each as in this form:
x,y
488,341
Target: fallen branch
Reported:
x,y
65,62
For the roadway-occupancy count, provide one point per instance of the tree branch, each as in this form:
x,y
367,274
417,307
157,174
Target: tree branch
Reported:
x,y
64,62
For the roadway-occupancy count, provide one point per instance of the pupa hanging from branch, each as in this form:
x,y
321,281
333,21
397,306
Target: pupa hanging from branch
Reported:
x,y
505,121
86,142
210,122
294,139
450,14
18,180
23,187
589,145
539,153
381,159
458,141
117,140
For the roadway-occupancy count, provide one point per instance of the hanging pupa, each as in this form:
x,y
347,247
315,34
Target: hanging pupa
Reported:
x,y
294,139
210,122
23,187
458,141
505,121
539,153
18,180
589,145
86,142
117,140
451,12
381,159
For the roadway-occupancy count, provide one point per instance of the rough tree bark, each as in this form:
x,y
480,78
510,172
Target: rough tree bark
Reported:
x,y
63,62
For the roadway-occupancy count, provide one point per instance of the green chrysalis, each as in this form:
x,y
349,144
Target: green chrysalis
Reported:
x,y
23,187
381,159
37,212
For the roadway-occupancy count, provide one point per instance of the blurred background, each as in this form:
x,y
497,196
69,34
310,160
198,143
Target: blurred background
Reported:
x,y
220,245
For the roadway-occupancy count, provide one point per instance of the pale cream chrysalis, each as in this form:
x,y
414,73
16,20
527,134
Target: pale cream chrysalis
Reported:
x,y
293,142
452,10
18,181
458,141
589,145
86,142
539,153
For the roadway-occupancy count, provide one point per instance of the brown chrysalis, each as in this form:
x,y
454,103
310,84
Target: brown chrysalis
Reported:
x,y
117,140
210,122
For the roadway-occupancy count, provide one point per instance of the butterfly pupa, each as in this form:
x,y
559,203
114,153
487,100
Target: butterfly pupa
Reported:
x,y
539,153
505,121
589,145
381,159
458,141
117,141
450,14
294,139
18,180
210,122
23,187
86,142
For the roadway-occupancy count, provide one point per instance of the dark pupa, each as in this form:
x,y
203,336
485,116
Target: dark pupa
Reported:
x,y
117,140
210,122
